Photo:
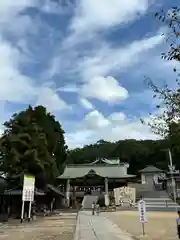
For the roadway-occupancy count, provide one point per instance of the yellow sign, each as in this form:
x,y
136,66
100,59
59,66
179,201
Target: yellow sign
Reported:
x,y
29,181
28,188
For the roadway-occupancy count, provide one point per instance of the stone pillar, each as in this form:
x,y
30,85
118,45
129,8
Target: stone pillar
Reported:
x,y
74,196
106,185
68,192
106,192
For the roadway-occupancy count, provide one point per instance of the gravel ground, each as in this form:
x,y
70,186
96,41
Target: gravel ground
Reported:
x,y
160,226
55,227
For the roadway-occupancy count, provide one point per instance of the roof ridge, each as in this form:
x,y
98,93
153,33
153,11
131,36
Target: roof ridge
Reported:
x,y
97,165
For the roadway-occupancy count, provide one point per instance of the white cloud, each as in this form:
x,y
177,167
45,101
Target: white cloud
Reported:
x,y
101,62
96,126
77,139
92,15
9,8
108,59
14,20
18,88
50,99
56,7
69,88
95,120
11,19
105,89
117,117
86,104
13,86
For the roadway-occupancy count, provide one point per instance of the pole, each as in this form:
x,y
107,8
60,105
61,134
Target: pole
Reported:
x,y
172,177
29,214
22,212
143,230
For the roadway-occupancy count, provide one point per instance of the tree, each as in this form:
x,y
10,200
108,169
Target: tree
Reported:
x,y
172,20
167,122
138,154
28,144
169,99
54,134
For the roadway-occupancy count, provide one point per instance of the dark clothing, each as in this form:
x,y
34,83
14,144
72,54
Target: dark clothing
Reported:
x,y
178,230
93,209
178,226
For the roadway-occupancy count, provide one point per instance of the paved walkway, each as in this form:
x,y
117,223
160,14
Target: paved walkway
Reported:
x,y
97,228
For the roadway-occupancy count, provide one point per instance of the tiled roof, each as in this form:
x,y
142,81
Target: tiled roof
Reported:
x,y
106,161
150,169
110,171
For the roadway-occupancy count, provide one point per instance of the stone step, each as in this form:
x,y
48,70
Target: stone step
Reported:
x,y
159,203
88,201
158,199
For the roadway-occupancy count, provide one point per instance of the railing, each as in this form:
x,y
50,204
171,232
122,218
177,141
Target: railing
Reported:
x,y
158,186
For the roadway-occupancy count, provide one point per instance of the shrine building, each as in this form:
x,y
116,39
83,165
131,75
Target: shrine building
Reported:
x,y
101,175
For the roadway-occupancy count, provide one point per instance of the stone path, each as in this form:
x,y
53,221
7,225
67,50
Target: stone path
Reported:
x,y
98,228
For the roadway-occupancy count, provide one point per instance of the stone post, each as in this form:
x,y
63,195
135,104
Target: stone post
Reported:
x,y
106,192
68,192
106,185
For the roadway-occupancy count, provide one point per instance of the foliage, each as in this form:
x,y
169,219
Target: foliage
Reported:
x,y
32,142
89,153
138,154
169,99
172,20
168,108
167,121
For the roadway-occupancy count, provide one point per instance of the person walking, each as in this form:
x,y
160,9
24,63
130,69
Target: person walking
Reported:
x,y
97,209
130,203
93,208
178,224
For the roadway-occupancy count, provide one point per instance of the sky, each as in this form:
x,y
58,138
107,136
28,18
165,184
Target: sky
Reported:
x,y
86,61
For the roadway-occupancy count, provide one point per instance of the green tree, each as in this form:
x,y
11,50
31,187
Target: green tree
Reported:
x,y
172,20
28,145
169,99
54,134
138,154
167,122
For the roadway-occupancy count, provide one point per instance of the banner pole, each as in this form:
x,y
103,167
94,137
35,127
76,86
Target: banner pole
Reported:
x,y
143,230
22,212
29,213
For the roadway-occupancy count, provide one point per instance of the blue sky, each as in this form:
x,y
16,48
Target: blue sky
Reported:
x,y
84,60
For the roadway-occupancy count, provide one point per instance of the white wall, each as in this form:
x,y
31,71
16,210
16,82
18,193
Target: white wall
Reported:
x,y
147,178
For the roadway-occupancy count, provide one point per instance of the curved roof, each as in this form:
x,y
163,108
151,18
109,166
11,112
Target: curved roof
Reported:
x,y
106,161
151,169
111,171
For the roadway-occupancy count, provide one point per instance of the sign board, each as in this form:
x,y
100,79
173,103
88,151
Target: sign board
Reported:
x,y
28,188
106,197
142,211
124,194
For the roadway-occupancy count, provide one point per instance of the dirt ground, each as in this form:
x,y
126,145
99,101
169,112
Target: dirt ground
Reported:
x,y
160,226
55,227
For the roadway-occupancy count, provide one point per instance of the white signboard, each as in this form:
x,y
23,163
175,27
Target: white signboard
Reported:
x,y
124,194
106,196
28,188
142,211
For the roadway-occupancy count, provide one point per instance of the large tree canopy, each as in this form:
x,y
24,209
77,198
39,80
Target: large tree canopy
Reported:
x,y
33,142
